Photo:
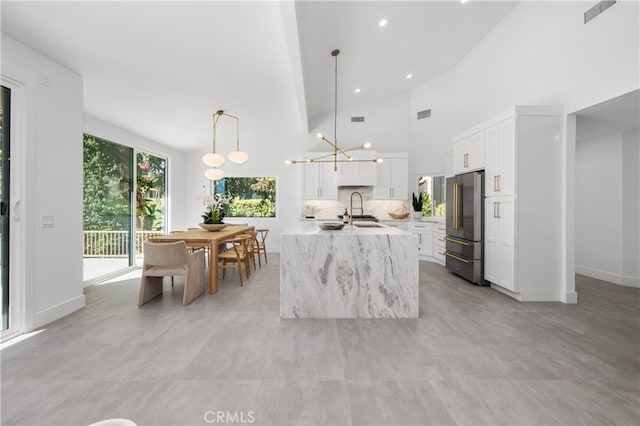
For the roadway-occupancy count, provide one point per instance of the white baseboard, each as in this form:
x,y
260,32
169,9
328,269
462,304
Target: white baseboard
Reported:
x,y
55,312
611,277
570,298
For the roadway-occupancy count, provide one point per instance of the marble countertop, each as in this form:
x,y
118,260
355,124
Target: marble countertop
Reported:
x,y
311,228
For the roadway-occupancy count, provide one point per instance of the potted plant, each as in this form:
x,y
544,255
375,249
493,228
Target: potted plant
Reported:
x,y
214,212
417,202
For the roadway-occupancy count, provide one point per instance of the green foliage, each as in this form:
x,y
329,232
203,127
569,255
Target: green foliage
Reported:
x,y
251,197
252,208
213,216
106,185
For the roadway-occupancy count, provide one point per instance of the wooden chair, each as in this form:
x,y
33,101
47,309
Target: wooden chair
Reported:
x,y
234,257
250,241
167,260
261,243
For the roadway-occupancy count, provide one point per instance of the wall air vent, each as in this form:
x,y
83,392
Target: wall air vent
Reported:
x,y
424,114
598,9
357,119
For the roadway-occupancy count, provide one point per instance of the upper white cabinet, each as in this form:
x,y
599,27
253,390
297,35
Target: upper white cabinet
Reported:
x,y
500,158
319,180
358,173
392,177
468,153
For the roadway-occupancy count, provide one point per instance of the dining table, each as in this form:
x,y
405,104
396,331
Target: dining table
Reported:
x,y
201,238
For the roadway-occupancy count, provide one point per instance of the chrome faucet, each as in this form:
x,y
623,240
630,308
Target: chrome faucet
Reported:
x,y
351,206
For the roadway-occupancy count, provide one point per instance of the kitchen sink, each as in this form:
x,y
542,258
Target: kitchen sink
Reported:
x,y
367,225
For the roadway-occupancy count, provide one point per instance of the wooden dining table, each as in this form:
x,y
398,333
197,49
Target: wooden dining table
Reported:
x,y
211,239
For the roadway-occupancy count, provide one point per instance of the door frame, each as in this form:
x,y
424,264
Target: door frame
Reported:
x,y
17,299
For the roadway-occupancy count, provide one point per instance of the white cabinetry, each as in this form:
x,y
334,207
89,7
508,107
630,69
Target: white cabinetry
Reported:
x,y
424,232
392,177
358,173
319,180
523,205
499,241
500,159
439,245
395,224
468,152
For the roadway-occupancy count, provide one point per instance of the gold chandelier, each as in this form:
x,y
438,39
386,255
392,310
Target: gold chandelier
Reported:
x,y
215,160
339,155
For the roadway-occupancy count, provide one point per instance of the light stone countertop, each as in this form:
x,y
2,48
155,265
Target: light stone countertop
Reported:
x,y
312,228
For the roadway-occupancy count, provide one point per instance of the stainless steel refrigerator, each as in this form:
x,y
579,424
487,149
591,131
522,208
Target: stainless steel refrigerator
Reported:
x,y
465,226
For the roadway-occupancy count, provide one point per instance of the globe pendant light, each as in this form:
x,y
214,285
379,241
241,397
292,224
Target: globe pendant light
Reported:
x,y
215,160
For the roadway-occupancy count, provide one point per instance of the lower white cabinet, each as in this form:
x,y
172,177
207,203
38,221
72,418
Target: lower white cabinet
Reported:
x,y
424,232
499,241
395,224
439,245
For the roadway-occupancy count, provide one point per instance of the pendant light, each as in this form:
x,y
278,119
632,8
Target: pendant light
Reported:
x,y
339,155
215,160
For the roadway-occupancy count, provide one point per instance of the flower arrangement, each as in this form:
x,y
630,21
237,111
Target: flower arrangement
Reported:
x,y
214,212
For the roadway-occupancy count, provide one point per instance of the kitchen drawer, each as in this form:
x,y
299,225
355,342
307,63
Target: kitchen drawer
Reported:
x,y
420,226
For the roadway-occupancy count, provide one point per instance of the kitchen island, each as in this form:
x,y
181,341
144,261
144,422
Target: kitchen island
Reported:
x,y
362,271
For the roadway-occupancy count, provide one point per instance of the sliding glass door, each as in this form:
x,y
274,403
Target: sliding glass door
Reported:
x,y
108,198
124,204
5,121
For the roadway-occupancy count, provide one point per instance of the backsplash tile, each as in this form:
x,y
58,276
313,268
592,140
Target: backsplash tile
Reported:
x,y
330,209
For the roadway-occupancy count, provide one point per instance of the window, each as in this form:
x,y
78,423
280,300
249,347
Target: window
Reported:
x,y
432,190
248,196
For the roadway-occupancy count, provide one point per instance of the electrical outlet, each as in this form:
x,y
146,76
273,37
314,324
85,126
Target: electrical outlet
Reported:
x,y
48,221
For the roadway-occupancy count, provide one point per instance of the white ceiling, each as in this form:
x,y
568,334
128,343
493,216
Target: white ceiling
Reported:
x,y
161,69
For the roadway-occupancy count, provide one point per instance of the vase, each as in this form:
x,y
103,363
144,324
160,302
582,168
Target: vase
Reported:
x,y
212,226
416,215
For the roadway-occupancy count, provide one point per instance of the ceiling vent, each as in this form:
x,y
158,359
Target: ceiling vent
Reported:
x,y
424,114
598,9
357,119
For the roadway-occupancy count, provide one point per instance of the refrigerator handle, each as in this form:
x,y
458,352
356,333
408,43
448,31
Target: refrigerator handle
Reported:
x,y
457,225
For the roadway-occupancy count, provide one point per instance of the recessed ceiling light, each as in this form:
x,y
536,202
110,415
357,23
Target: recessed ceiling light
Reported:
x,y
463,1
357,90
382,22
409,76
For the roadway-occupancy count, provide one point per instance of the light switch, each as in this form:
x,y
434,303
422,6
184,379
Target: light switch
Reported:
x,y
48,221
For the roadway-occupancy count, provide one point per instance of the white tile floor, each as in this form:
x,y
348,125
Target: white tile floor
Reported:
x,y
474,357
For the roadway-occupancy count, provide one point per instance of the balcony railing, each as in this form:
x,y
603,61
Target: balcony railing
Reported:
x,y
114,243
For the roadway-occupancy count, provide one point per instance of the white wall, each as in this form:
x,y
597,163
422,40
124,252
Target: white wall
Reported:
x,y
539,54
175,160
607,208
49,156
598,206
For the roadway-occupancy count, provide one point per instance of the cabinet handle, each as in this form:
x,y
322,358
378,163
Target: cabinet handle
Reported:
x,y
466,160
494,210
495,183
498,209
499,187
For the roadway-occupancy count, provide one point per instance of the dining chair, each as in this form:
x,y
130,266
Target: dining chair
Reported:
x,y
250,242
168,260
261,243
234,257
